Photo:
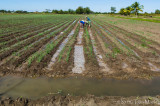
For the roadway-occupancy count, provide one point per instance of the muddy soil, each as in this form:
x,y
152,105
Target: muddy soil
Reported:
x,y
89,100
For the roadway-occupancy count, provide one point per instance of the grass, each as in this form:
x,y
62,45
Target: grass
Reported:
x,y
140,19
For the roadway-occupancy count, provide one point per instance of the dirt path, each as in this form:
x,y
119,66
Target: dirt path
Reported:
x,y
79,59
102,64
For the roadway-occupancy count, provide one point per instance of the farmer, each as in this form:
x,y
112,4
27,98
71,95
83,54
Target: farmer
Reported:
x,y
88,21
82,23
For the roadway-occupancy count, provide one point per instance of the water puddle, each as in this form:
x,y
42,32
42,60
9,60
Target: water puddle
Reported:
x,y
40,87
98,55
79,59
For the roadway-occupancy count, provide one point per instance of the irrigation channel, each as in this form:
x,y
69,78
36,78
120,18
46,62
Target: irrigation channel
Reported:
x,y
35,88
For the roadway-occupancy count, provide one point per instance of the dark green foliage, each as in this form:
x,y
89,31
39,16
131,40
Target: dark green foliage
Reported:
x,y
157,11
113,9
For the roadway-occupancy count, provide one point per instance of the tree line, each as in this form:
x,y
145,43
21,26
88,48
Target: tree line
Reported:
x,y
157,11
79,10
135,8
9,11
132,9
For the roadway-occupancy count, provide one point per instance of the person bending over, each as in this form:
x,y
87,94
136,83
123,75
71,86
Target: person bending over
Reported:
x,y
82,22
88,21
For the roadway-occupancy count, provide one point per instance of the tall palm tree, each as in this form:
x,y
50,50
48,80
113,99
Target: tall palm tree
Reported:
x,y
137,7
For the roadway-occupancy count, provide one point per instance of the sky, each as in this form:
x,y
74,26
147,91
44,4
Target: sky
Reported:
x,y
95,5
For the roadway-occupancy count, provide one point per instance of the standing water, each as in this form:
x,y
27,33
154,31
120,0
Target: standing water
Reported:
x,y
76,86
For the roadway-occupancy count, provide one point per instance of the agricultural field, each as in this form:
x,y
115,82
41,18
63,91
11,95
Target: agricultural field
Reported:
x,y
56,46
49,59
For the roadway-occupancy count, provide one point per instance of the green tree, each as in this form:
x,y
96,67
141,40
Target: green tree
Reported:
x,y
47,11
80,10
70,11
146,14
113,9
122,11
3,11
61,12
21,11
87,10
137,7
55,11
128,10
157,11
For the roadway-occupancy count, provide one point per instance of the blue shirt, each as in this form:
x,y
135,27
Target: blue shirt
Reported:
x,y
82,22
88,19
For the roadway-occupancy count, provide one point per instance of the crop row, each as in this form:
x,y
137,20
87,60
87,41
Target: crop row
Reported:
x,y
28,23
43,56
38,37
27,35
36,46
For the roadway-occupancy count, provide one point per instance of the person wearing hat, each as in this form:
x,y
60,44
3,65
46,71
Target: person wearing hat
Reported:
x,y
88,21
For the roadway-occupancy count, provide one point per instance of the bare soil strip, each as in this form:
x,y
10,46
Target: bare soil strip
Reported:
x,y
99,57
79,59
53,60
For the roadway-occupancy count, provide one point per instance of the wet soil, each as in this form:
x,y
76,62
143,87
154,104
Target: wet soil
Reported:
x,y
72,91
85,101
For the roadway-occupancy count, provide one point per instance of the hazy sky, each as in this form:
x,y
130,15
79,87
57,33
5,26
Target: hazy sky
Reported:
x,y
95,5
